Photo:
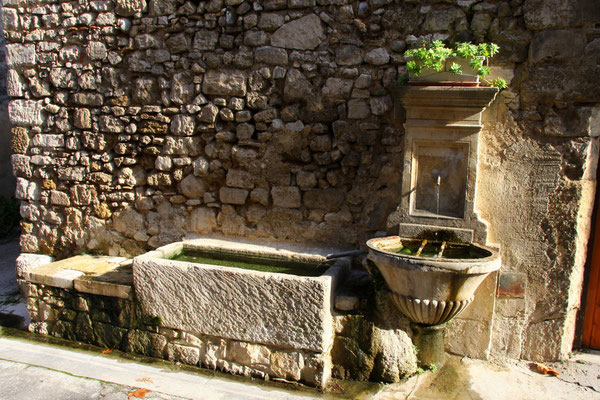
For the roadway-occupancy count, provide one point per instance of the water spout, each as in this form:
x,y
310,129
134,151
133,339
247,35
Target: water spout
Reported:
x,y
437,194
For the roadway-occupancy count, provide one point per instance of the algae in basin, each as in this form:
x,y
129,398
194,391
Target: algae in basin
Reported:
x,y
263,264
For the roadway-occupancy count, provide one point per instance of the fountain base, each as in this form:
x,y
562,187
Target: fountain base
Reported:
x,y
429,340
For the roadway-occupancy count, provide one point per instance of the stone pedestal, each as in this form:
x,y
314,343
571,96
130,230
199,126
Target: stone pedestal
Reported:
x,y
429,340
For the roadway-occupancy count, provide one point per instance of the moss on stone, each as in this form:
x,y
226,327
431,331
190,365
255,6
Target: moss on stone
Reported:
x,y
20,140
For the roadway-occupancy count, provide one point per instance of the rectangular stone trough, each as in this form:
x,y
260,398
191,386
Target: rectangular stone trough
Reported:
x,y
280,310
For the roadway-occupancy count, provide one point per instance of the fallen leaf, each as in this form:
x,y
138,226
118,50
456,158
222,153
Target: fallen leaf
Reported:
x,y
106,351
335,388
546,370
140,393
145,380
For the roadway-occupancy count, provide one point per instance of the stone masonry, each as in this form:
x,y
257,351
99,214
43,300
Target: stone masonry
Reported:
x,y
136,123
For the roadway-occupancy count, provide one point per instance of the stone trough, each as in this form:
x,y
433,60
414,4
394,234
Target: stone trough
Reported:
x,y
282,311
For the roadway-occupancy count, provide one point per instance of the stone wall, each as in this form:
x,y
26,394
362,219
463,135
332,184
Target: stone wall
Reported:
x,y
115,323
139,122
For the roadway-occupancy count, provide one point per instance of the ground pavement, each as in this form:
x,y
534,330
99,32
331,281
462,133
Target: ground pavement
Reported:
x,y
38,368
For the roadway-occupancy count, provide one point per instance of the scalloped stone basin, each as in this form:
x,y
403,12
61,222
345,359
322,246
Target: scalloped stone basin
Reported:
x,y
431,282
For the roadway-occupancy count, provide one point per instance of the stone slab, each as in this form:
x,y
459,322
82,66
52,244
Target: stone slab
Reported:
x,y
102,275
28,261
112,284
288,311
62,278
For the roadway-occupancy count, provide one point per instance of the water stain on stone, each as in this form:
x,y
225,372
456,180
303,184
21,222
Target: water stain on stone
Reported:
x,y
451,382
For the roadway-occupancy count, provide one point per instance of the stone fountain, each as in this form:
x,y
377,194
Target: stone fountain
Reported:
x,y
435,264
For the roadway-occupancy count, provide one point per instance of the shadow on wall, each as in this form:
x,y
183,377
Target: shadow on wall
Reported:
x,y
7,179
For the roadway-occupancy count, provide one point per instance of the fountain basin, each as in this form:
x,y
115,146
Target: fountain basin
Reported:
x,y
285,310
428,287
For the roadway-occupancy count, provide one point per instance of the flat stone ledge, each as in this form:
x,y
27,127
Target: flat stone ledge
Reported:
x,y
100,275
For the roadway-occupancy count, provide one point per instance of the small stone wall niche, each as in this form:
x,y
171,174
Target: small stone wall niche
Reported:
x,y
440,161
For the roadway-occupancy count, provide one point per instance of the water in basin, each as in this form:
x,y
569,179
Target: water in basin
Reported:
x,y
263,264
436,249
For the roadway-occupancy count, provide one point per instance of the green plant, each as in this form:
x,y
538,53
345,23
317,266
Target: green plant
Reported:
x,y
154,320
415,349
434,55
432,367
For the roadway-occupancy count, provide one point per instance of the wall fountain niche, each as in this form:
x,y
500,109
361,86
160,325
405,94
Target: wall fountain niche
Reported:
x,y
439,258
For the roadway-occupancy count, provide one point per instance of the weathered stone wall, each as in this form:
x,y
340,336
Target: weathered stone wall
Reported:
x,y
119,324
538,160
137,123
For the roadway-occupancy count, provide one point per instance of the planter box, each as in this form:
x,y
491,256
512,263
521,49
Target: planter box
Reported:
x,y
430,77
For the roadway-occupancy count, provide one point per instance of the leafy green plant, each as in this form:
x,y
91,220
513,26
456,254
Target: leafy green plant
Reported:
x,y
429,56
434,55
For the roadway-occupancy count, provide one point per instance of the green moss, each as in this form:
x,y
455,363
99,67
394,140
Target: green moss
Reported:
x,y
256,264
154,320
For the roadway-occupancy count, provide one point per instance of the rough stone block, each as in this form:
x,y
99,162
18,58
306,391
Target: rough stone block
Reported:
x,y
358,109
248,353
224,83
205,40
271,55
240,179
348,55
229,195
337,88
25,112
20,55
14,84
258,307
28,261
27,190
287,365
548,14
192,187
378,56
182,125
128,8
305,33
559,45
184,354
286,196
96,50
203,220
